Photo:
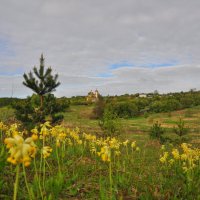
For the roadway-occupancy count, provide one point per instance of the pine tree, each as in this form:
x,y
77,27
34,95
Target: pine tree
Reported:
x,y
42,81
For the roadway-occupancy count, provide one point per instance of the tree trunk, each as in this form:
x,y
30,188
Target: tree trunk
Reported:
x,y
41,101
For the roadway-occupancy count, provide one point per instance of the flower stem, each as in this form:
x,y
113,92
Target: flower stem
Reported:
x,y
44,172
25,178
16,183
110,177
38,180
58,159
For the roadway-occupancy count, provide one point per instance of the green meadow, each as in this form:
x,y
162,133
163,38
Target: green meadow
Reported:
x,y
84,168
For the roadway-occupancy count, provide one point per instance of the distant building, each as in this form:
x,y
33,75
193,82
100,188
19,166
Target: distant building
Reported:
x,y
93,96
143,95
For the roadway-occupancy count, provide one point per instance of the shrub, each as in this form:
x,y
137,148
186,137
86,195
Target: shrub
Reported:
x,y
174,138
29,113
146,115
156,131
126,109
99,108
165,105
110,123
180,128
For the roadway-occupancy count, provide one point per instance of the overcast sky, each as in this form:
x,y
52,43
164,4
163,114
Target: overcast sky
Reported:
x,y
115,46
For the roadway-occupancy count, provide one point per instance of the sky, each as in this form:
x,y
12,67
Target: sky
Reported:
x,y
114,46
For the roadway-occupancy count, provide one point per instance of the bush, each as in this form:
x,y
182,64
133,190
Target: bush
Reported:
x,y
165,105
146,115
30,114
156,131
174,138
180,128
110,123
99,108
126,109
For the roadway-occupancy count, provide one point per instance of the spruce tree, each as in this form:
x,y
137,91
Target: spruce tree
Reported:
x,y
41,81
43,105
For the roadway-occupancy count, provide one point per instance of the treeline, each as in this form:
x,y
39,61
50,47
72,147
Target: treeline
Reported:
x,y
11,102
128,106
6,101
124,106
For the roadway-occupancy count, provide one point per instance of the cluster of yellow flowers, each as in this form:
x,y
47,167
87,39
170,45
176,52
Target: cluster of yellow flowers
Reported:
x,y
186,156
21,151
105,148
3,127
46,151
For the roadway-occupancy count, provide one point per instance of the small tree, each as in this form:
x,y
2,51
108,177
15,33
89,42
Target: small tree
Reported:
x,y
28,110
180,128
110,123
42,82
43,105
156,131
99,108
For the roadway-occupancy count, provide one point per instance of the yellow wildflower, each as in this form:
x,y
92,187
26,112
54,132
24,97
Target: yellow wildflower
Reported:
x,y
176,154
44,128
117,153
20,150
46,151
163,159
171,161
183,156
34,131
137,149
185,169
105,153
34,137
163,147
125,143
133,144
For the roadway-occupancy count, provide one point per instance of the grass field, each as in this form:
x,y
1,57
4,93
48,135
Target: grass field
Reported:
x,y
79,166
137,127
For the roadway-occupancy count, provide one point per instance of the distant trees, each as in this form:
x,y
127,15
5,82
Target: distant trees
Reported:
x,y
6,101
128,106
125,109
165,105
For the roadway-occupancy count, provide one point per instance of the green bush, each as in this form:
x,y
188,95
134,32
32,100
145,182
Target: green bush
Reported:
x,y
110,123
30,114
126,109
165,105
174,138
99,108
156,131
180,128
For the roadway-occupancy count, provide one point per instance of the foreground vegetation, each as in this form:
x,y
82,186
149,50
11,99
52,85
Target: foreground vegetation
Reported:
x,y
62,163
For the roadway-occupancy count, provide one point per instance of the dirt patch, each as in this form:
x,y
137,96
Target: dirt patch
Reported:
x,y
135,132
168,125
